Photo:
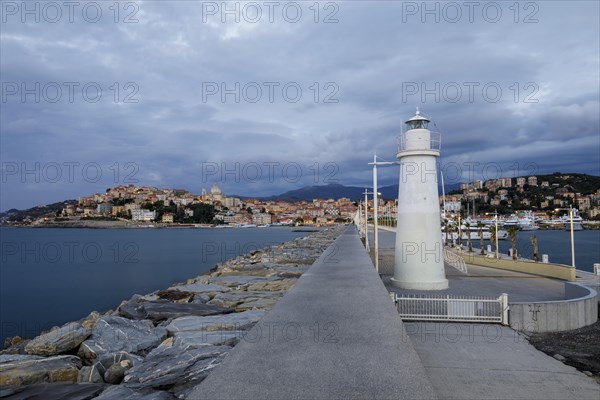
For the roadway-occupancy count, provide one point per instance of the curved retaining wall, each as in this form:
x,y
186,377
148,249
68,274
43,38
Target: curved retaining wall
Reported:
x,y
578,310
560,271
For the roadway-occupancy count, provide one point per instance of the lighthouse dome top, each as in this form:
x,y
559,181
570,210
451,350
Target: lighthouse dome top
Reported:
x,y
417,122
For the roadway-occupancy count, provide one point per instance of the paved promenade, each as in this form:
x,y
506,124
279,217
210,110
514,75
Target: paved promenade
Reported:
x,y
335,335
485,361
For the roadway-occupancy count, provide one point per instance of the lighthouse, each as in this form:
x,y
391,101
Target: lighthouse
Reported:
x,y
419,261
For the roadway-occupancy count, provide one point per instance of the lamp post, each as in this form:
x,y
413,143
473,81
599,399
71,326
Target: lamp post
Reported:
x,y
366,222
570,209
376,206
496,227
366,192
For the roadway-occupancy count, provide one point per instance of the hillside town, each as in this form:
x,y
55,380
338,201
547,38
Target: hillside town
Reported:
x,y
543,197
148,204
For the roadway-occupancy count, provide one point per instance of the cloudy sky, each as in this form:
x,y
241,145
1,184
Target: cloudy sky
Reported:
x,y
267,97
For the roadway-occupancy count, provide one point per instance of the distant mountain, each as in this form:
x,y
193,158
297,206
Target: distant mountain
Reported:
x,y
336,191
35,212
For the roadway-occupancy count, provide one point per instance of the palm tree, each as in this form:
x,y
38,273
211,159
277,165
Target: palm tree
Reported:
x,y
469,244
534,244
493,237
512,233
480,226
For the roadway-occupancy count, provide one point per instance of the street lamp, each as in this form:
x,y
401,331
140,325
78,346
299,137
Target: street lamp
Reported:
x,y
366,192
570,209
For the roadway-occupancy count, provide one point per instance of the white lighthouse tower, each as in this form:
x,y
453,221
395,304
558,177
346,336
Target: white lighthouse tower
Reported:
x,y
419,253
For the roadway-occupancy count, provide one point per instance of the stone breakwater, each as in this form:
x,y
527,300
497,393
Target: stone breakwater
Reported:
x,y
161,345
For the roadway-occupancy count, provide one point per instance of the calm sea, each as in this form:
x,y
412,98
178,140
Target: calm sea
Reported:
x,y
52,276
557,244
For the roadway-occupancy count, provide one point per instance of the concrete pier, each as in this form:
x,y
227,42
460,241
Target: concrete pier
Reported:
x,y
335,335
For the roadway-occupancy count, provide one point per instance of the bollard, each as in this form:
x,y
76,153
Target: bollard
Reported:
x,y
545,258
597,269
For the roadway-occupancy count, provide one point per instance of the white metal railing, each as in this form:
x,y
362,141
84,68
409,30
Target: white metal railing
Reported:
x,y
455,260
405,142
426,307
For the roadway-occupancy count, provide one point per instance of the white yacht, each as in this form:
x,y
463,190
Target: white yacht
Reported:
x,y
525,221
473,233
577,221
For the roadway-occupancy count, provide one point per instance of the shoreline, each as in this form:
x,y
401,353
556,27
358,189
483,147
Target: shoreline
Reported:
x,y
119,353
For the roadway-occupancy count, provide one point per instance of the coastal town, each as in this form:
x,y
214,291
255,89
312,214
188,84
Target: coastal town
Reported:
x,y
542,198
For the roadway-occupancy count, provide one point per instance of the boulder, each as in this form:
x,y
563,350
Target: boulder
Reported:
x,y
258,304
114,375
237,297
274,286
112,334
200,288
56,391
239,280
19,370
124,393
215,338
237,321
162,310
249,270
200,299
90,375
172,365
176,296
59,340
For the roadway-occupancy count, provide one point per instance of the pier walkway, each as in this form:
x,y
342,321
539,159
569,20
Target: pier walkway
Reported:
x,y
335,335
485,361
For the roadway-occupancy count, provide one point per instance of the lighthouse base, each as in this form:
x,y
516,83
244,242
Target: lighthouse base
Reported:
x,y
439,285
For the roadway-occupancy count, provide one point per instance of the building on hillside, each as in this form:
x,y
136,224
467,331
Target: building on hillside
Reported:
x,y
532,181
143,215
168,218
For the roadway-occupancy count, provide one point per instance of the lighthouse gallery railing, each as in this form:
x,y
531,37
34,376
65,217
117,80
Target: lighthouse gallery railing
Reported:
x,y
434,143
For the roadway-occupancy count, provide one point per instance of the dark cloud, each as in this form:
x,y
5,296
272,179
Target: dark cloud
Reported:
x,y
359,77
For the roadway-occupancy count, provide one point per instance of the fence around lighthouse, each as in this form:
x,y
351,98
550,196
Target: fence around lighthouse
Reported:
x,y
452,308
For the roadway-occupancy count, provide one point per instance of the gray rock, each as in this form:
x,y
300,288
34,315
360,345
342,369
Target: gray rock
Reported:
x,y
162,310
175,365
112,334
114,375
218,338
559,357
19,370
90,375
105,361
238,321
56,391
237,297
588,373
239,280
259,304
132,310
200,288
59,340
124,393
200,299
